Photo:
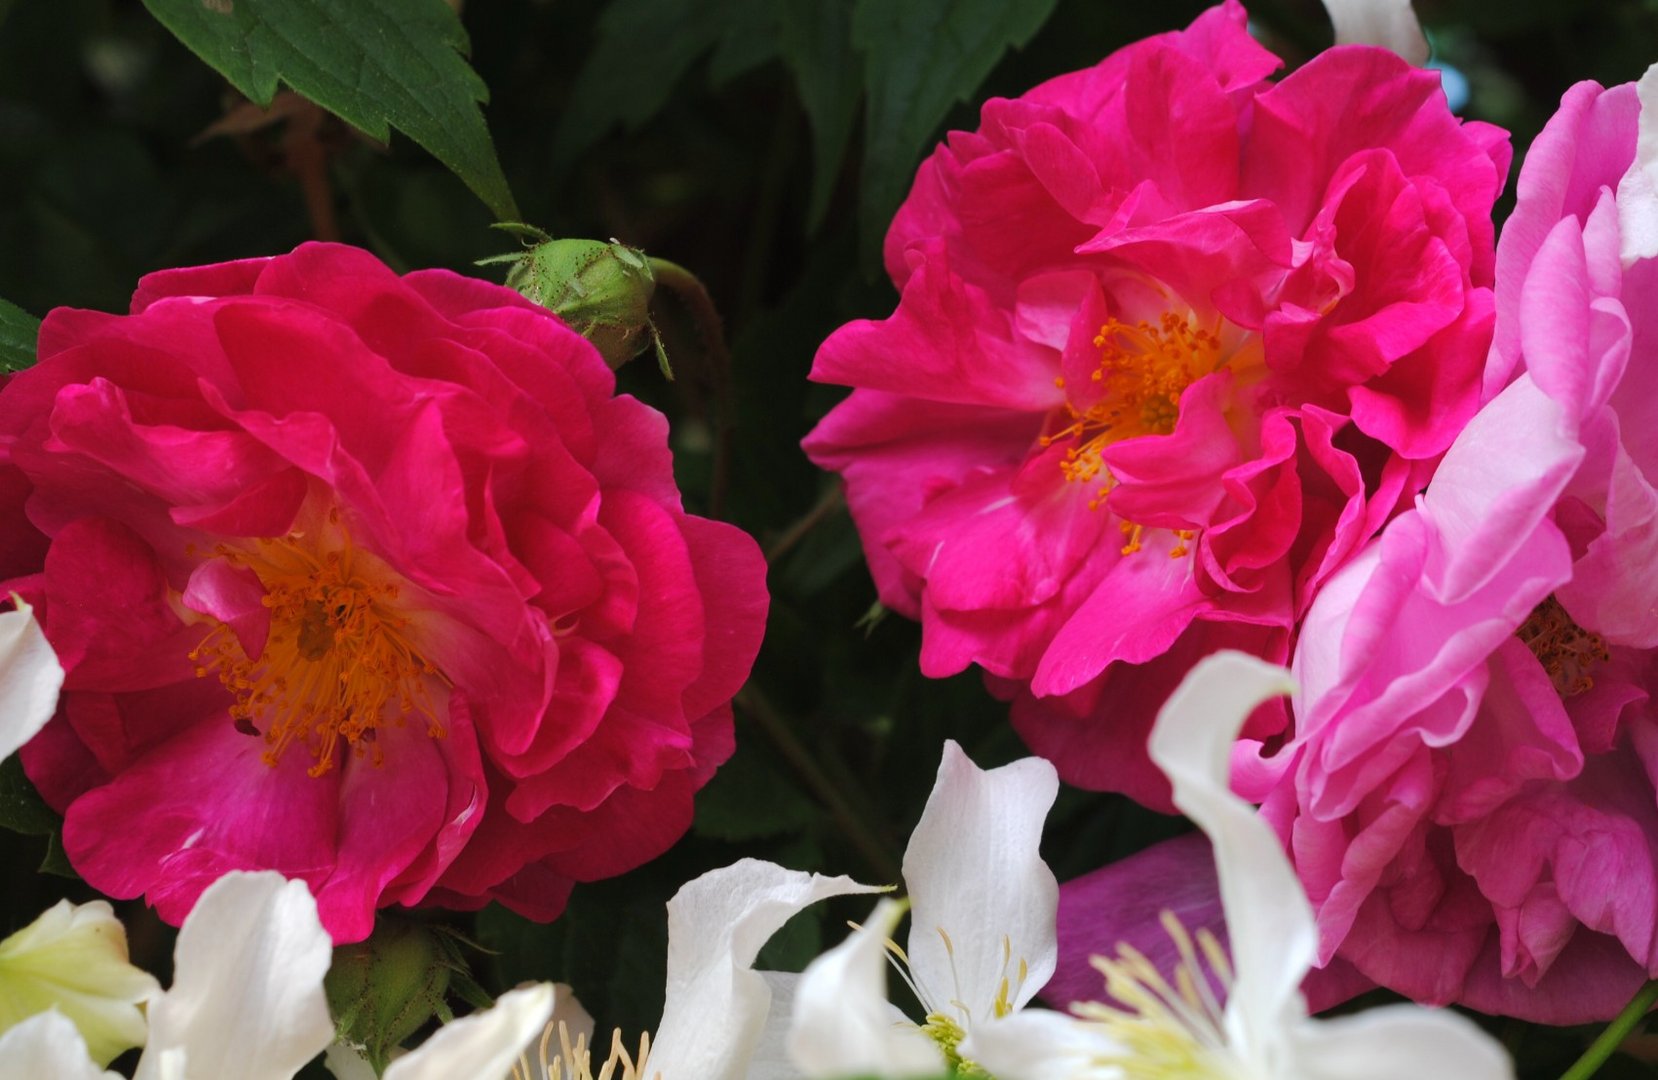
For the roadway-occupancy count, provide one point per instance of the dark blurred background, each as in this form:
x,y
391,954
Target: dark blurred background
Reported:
x,y
732,136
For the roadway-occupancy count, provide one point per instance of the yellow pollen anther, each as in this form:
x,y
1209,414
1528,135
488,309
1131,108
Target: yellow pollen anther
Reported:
x,y
338,663
1134,390
1566,650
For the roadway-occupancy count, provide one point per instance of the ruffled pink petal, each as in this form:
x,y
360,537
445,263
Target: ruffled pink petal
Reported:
x,y
897,454
1136,613
944,343
994,543
1353,97
1608,591
1588,144
220,279
109,618
731,576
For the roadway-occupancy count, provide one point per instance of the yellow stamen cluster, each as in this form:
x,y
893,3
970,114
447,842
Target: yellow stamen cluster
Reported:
x,y
1166,1032
573,1060
1142,371
946,1030
1566,650
337,664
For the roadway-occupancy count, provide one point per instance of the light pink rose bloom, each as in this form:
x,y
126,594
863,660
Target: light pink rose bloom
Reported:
x,y
1471,796
1173,342
370,580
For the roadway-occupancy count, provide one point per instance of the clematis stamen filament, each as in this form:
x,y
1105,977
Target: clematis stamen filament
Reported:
x,y
1167,1032
574,1059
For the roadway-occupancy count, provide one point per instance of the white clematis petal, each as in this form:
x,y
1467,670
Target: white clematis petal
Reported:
x,y
1399,1041
771,1050
974,871
74,959
346,1063
843,1024
1638,190
46,1045
482,1046
569,1011
247,1001
30,678
1390,24
1037,1044
1268,919
715,1005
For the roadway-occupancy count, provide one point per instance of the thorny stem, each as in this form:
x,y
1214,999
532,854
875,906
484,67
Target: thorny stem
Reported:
x,y
308,158
1615,1033
691,292
865,838
832,500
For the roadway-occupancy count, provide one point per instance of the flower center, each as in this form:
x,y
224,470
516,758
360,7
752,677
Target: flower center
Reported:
x,y
337,663
948,1030
1166,1032
1143,369
573,1060
1566,650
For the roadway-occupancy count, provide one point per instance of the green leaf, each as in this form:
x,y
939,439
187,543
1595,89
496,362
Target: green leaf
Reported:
x,y
21,808
56,860
920,58
816,40
645,47
376,64
18,330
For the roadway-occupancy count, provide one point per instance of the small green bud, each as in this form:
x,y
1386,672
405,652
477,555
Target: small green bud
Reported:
x,y
382,990
603,290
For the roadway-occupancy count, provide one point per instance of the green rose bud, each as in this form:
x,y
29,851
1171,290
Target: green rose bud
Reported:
x,y
382,990
603,290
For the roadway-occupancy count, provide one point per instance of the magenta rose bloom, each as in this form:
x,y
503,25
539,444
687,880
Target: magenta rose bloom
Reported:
x,y
1471,797
370,580
1173,341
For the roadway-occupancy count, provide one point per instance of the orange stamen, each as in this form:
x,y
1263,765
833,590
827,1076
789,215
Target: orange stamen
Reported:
x,y
1566,650
338,663
1143,369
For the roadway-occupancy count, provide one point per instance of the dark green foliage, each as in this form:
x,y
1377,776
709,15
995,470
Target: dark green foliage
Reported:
x,y
377,64
762,145
908,100
17,337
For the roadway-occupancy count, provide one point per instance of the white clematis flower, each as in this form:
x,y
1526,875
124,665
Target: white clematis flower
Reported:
x,y
1263,1032
721,1019
47,1045
247,1001
843,1024
1390,24
981,942
30,678
73,959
